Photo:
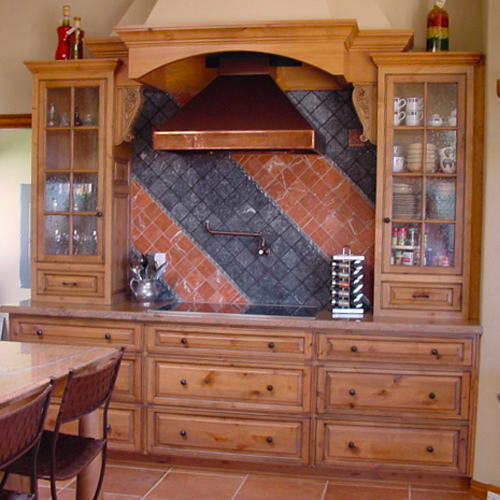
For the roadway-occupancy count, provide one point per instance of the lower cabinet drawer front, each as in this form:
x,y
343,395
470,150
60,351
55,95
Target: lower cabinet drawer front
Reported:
x,y
427,296
125,428
74,284
396,445
76,331
229,386
435,394
192,341
231,437
128,382
430,351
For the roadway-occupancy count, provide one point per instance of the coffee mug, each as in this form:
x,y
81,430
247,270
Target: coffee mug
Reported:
x,y
414,118
447,152
448,165
398,150
399,103
398,164
415,104
399,116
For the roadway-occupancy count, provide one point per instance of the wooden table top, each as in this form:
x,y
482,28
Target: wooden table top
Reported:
x,y
25,366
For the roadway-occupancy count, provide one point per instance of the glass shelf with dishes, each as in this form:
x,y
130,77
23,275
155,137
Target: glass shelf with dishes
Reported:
x,y
71,171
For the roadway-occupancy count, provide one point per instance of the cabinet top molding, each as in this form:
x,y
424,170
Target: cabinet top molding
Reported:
x,y
336,47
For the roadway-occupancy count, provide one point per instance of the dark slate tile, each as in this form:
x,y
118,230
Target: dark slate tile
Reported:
x,y
201,212
169,200
190,198
280,225
190,223
179,211
292,236
158,189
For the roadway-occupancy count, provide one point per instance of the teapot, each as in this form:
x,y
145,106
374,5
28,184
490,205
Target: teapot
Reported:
x,y
146,290
435,121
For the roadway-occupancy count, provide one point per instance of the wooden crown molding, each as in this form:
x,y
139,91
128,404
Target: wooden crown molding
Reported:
x,y
15,121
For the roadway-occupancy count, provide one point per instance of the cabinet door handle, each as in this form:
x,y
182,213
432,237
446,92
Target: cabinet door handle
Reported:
x,y
352,392
269,439
183,433
39,332
270,388
351,445
184,340
432,395
430,449
183,382
421,296
387,220
98,214
271,345
107,336
435,352
354,348
108,427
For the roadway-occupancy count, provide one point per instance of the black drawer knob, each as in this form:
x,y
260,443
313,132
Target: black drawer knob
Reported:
x,y
184,340
269,439
387,220
270,388
183,433
183,382
108,427
430,449
354,348
98,214
351,445
271,345
352,392
107,336
432,395
39,332
435,352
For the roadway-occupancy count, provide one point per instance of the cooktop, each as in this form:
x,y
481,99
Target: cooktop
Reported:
x,y
251,309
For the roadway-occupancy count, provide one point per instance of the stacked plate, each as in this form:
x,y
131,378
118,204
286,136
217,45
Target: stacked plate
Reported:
x,y
415,158
405,203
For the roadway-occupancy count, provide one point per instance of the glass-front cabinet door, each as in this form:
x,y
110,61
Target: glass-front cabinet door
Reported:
x,y
423,211
70,155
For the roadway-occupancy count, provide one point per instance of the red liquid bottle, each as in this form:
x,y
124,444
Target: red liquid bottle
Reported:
x,y
62,51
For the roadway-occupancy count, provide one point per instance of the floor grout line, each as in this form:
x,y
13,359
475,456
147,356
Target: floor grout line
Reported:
x,y
324,490
239,487
156,484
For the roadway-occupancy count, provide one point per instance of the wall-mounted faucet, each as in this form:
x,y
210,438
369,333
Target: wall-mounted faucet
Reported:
x,y
263,249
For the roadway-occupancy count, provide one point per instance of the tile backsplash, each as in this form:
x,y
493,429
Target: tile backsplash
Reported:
x,y
306,206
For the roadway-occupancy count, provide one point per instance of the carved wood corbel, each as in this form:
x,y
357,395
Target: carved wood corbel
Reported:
x,y
364,98
129,101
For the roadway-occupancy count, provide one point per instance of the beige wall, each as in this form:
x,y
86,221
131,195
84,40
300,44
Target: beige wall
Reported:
x,y
35,39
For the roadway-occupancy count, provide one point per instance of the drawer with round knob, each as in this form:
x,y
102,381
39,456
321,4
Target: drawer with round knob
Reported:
x,y
395,445
76,331
211,341
388,392
221,436
229,385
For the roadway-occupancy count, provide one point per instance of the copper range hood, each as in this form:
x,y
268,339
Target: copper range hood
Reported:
x,y
238,112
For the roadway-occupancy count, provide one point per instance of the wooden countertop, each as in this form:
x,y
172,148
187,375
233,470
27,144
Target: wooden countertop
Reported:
x,y
134,311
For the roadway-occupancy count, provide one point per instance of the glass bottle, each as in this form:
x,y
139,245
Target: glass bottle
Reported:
x,y
77,121
438,28
62,51
76,40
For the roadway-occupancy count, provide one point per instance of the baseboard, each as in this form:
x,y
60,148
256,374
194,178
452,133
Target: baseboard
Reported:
x,y
480,490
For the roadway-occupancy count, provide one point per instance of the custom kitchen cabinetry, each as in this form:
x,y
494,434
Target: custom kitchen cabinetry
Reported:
x,y
81,181
125,413
429,185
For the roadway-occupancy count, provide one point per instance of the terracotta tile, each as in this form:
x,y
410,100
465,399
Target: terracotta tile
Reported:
x,y
320,237
299,214
263,488
298,189
275,189
196,486
309,177
205,267
117,496
206,290
129,480
354,492
440,495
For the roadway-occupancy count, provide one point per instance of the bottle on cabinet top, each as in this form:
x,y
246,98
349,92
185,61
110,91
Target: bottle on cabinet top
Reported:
x,y
62,51
438,28
76,40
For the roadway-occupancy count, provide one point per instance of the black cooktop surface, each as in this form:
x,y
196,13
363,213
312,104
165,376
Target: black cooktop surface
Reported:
x,y
251,309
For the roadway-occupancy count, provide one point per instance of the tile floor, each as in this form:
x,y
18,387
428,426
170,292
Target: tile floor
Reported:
x,y
177,483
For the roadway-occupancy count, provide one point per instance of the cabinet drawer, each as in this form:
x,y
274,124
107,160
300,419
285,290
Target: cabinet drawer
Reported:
x,y
422,297
187,341
400,350
228,386
70,284
228,437
436,395
81,332
128,382
398,445
125,426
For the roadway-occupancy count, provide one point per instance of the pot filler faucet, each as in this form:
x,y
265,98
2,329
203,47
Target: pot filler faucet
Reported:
x,y
263,249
